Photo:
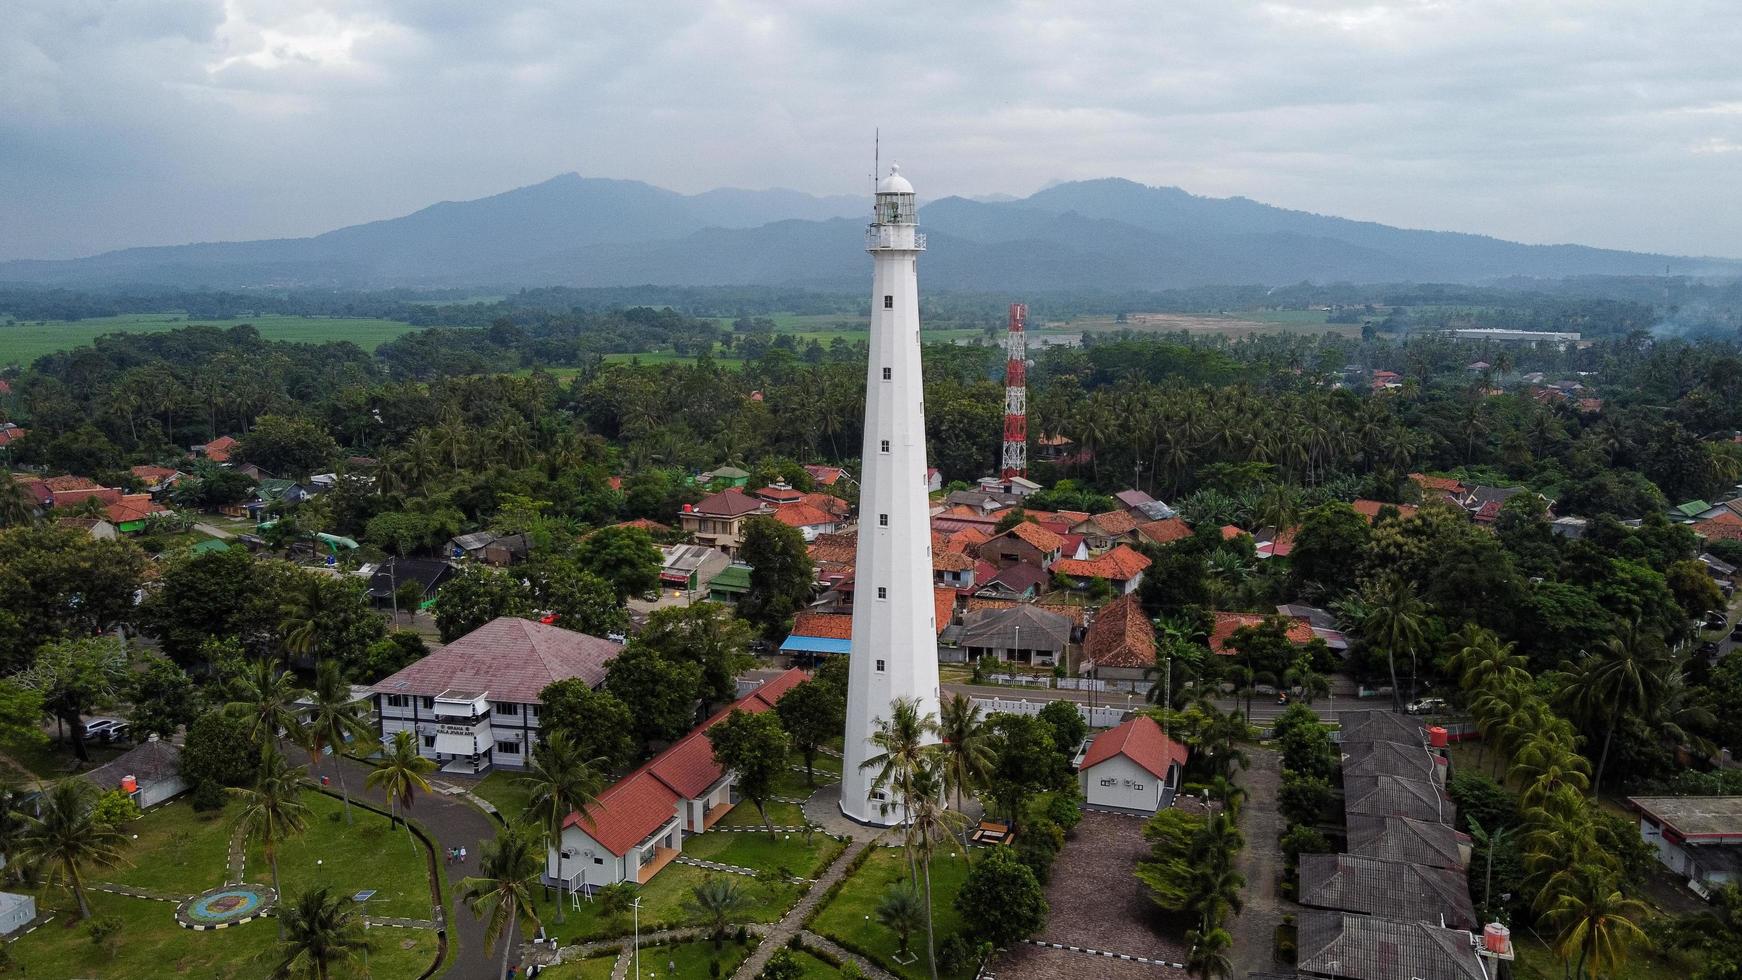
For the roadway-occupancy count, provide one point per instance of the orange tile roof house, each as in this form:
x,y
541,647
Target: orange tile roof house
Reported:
x,y
1164,531
1120,642
218,450
1370,509
1103,531
952,569
474,703
1025,544
1133,768
1122,568
638,825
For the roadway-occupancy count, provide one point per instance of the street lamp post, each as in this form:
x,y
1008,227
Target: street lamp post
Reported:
x,y
636,905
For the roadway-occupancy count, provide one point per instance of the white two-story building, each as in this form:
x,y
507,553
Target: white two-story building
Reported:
x,y
474,703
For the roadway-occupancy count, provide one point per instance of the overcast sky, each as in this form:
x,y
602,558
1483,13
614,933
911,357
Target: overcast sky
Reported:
x,y
126,122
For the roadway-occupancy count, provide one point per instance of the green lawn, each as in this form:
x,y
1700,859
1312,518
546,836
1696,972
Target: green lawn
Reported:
x,y
815,968
757,852
24,342
505,793
153,946
687,960
597,968
662,905
745,814
178,851
844,918
793,786
350,859
50,759
1537,962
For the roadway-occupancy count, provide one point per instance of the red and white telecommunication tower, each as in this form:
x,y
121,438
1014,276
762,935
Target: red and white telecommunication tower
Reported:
x,y
1016,395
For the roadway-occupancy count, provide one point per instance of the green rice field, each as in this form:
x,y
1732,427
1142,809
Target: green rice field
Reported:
x,y
25,341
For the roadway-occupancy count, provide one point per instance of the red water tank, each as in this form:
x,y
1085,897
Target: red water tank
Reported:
x,y
129,784
1496,938
1437,737
688,509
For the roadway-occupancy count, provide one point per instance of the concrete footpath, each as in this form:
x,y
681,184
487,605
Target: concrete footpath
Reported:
x,y
450,822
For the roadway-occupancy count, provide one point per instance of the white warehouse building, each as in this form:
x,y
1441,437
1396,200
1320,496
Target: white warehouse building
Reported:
x,y
474,703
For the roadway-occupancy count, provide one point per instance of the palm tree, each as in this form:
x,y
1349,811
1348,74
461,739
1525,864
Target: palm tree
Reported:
x,y
65,840
717,901
903,739
267,699
930,821
1209,957
510,864
1594,922
562,781
902,911
334,719
322,930
301,613
966,757
1627,674
1394,621
403,773
16,505
272,809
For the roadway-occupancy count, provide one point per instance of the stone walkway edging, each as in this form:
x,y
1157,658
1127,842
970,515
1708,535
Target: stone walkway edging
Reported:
x,y
1103,952
793,922
869,969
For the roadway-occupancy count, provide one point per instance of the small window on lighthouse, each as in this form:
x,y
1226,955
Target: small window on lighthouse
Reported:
x,y
880,670
887,374
888,302
882,520
882,593
885,445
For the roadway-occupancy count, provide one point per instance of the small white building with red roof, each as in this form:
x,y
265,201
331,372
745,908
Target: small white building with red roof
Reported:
x,y
1133,768
638,825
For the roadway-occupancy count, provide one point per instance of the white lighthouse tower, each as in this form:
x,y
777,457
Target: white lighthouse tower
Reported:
x,y
894,629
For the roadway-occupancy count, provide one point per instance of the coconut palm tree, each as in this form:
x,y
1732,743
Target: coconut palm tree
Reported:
x,y
1394,624
562,781
502,894
65,840
272,809
321,931
903,911
16,506
966,756
301,613
930,821
402,774
1626,674
718,902
334,719
266,698
1209,957
903,739
1594,923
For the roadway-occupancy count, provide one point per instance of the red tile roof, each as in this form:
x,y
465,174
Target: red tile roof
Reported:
x,y
731,502
1230,532
154,474
646,524
219,449
825,476
643,801
12,433
508,658
63,483
1121,636
1115,522
1441,484
1165,531
134,507
1725,527
1042,539
825,626
1121,564
1299,630
803,515
968,537
72,498
1140,740
944,607
950,561
1370,509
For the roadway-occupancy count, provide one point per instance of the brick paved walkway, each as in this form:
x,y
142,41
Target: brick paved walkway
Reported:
x,y
1261,863
792,923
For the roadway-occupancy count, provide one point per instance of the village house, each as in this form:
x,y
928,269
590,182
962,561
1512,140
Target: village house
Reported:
x,y
717,520
819,633
1345,946
1395,796
688,568
1697,837
824,476
1026,543
1427,842
1122,568
731,584
638,825
1131,768
1119,643
1164,531
952,569
156,480
218,450
474,703
1226,624
723,477
1396,889
387,578
1103,531
149,773
131,513
1014,486
1144,507
1009,582
1023,634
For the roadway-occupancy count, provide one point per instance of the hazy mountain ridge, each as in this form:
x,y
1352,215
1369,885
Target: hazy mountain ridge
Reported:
x,y
586,231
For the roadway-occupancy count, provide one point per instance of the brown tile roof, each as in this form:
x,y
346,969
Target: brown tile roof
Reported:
x,y
646,524
1230,532
219,449
1165,531
134,507
827,626
824,475
61,484
838,547
1039,537
1365,947
1299,630
803,515
509,658
72,498
1440,484
1370,509
12,433
951,561
731,502
1140,740
968,537
1724,527
1119,564
1121,636
943,604
154,474
1115,522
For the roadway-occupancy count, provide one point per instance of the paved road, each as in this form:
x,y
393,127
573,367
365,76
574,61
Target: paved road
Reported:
x,y
1264,709
1260,861
213,530
450,822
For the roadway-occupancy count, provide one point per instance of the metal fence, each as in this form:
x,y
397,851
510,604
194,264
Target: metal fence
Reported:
x,y
1097,716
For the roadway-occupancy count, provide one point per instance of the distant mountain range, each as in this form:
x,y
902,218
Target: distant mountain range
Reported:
x,y
1086,235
